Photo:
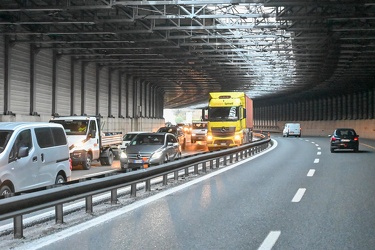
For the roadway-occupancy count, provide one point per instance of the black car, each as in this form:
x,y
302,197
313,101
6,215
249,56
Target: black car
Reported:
x,y
176,131
344,138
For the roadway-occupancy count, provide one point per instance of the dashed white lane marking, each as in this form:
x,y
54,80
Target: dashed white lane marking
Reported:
x,y
319,148
270,240
319,153
316,160
317,145
298,196
313,142
311,173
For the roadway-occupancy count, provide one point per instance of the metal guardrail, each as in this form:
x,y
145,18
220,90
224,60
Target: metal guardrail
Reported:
x,y
17,206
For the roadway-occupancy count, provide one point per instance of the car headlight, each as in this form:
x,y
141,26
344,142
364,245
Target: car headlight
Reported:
x,y
123,155
157,155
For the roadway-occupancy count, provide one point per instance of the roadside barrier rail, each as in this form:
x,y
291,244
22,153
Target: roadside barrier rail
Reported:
x,y
17,206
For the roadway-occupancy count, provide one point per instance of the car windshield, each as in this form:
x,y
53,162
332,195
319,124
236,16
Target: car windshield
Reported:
x,y
172,130
4,138
199,125
147,139
129,137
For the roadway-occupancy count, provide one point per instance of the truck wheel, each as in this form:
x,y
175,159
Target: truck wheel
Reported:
x,y
110,158
87,164
5,191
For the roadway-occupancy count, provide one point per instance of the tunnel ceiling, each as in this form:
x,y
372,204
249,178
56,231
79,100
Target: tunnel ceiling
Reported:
x,y
273,50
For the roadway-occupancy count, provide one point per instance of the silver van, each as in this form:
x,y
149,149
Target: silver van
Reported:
x,y
32,155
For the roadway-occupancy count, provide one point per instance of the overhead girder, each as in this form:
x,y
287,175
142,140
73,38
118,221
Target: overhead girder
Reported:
x,y
300,46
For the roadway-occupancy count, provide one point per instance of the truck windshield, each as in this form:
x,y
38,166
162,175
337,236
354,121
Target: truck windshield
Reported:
x,y
73,127
223,113
4,138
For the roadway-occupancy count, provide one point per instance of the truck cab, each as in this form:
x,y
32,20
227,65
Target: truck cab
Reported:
x,y
87,142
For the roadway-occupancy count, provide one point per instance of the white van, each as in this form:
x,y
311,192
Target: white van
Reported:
x,y
292,129
32,155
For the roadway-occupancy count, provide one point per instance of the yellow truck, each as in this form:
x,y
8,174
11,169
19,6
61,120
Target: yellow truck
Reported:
x,y
230,120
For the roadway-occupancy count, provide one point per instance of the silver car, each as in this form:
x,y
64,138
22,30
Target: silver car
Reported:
x,y
148,149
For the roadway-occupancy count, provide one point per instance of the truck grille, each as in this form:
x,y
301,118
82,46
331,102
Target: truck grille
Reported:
x,y
223,131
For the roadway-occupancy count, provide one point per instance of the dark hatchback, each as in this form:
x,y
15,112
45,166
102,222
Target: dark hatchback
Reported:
x,y
344,138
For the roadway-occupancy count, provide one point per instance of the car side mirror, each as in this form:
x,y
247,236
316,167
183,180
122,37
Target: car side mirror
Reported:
x,y
23,152
170,144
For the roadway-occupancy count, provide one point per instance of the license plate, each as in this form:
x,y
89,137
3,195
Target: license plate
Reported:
x,y
223,143
137,161
345,140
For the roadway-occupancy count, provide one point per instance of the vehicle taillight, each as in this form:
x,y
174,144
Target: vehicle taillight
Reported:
x,y
356,138
333,138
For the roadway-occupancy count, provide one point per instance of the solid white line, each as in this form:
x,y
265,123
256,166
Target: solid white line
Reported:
x,y
319,153
316,160
45,241
298,196
270,240
311,173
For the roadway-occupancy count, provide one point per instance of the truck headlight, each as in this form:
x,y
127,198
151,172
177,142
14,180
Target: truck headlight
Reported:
x,y
237,138
193,134
209,137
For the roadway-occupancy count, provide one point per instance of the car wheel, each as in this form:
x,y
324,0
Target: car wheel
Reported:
x,y
165,159
5,191
59,179
87,164
356,149
332,150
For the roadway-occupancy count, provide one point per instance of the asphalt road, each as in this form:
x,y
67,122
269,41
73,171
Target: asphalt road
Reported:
x,y
296,196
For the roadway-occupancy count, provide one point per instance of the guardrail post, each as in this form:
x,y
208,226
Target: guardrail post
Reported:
x,y
176,175
204,168
17,227
225,160
231,158
217,162
133,190
114,196
165,179
59,218
186,171
196,168
148,185
237,156
89,206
